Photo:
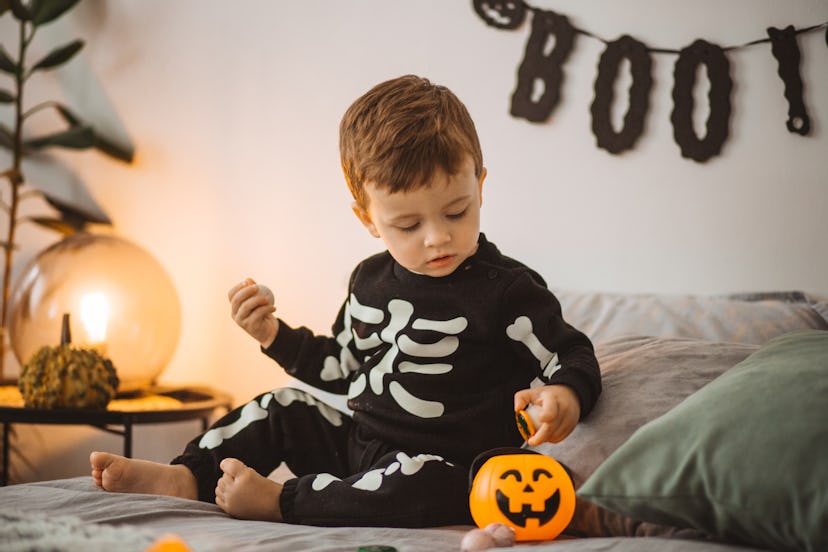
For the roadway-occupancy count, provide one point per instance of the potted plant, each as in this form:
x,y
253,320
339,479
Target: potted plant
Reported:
x,y
75,134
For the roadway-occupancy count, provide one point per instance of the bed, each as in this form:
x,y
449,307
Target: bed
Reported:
x,y
711,435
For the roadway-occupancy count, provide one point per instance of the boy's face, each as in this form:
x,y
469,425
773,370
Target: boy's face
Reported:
x,y
430,230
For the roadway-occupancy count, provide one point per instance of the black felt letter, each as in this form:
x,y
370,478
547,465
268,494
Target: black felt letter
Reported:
x,y
718,123
786,52
639,97
539,66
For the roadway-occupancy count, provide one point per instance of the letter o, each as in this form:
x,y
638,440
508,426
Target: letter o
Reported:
x,y
639,95
718,71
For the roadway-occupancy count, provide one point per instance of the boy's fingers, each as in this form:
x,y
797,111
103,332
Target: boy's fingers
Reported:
x,y
247,303
235,289
523,397
563,427
232,291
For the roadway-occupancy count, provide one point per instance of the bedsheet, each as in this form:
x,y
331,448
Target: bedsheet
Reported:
x,y
140,519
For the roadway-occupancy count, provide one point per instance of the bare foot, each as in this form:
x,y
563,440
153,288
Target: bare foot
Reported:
x,y
244,494
116,473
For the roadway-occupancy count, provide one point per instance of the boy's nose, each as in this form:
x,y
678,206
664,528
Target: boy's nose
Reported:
x,y
437,235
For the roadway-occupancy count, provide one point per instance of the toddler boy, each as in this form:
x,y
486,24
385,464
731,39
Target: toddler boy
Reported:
x,y
438,342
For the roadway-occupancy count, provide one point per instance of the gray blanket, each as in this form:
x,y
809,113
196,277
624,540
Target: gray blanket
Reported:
x,y
89,519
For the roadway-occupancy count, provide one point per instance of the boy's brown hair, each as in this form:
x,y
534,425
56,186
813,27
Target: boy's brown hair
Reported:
x,y
400,132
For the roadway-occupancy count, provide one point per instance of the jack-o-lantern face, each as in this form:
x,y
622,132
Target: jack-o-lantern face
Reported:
x,y
503,14
531,493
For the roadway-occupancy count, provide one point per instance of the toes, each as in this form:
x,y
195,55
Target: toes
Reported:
x,y
232,467
101,460
97,460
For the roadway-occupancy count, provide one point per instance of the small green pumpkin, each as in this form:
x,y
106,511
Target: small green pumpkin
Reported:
x,y
67,377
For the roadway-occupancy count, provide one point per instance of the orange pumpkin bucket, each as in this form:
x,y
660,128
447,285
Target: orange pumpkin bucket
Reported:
x,y
526,490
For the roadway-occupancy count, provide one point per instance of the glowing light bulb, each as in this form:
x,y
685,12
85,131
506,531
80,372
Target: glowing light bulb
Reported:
x,y
94,313
132,305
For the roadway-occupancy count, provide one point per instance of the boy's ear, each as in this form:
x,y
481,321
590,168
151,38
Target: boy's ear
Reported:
x,y
483,174
365,219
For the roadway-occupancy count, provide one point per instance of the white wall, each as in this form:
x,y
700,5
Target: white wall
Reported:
x,y
234,110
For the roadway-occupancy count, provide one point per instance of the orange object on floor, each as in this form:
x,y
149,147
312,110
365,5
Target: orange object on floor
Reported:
x,y
169,543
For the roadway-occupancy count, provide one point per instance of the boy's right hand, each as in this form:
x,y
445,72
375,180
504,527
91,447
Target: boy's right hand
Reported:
x,y
253,311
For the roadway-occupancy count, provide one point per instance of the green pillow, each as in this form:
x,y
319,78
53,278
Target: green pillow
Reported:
x,y
743,459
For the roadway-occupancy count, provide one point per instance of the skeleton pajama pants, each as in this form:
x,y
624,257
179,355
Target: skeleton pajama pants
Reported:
x,y
342,478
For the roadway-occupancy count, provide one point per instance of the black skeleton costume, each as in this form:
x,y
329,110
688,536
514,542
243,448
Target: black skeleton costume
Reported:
x,y
430,367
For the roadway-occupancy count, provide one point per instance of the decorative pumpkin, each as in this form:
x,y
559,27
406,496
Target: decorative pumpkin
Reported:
x,y
525,490
67,377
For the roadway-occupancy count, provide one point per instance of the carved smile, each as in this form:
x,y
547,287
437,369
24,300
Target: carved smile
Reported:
x,y
526,512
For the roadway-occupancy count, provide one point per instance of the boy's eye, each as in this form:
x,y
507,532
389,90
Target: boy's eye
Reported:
x,y
409,228
461,214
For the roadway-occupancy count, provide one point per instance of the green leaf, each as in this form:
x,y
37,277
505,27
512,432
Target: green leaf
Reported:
x,y
102,143
20,10
58,56
110,148
59,225
6,96
44,11
71,214
78,137
7,64
68,115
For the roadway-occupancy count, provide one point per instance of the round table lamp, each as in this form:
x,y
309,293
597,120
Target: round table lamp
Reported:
x,y
119,298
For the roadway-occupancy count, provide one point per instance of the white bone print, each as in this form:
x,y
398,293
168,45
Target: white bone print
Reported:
x,y
372,480
251,412
333,368
521,330
255,411
415,405
400,312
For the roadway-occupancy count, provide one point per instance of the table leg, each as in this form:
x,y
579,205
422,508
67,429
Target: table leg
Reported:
x,y
5,453
128,439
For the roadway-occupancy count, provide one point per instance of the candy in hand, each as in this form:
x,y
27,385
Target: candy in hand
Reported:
x,y
264,290
527,421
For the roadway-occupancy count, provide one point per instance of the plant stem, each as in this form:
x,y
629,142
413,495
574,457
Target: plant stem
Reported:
x,y
16,181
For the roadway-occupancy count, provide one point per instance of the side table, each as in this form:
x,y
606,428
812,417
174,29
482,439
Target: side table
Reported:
x,y
173,405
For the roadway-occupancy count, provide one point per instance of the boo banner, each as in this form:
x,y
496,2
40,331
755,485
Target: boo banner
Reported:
x,y
541,75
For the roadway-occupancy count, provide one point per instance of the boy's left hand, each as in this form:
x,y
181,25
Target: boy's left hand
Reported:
x,y
558,411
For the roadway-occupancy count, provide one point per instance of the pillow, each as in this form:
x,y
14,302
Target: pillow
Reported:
x,y
745,318
743,459
643,378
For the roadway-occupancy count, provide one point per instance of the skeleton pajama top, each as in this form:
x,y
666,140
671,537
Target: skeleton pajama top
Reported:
x,y
431,365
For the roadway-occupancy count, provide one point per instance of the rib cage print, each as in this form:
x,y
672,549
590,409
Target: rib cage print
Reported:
x,y
392,321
